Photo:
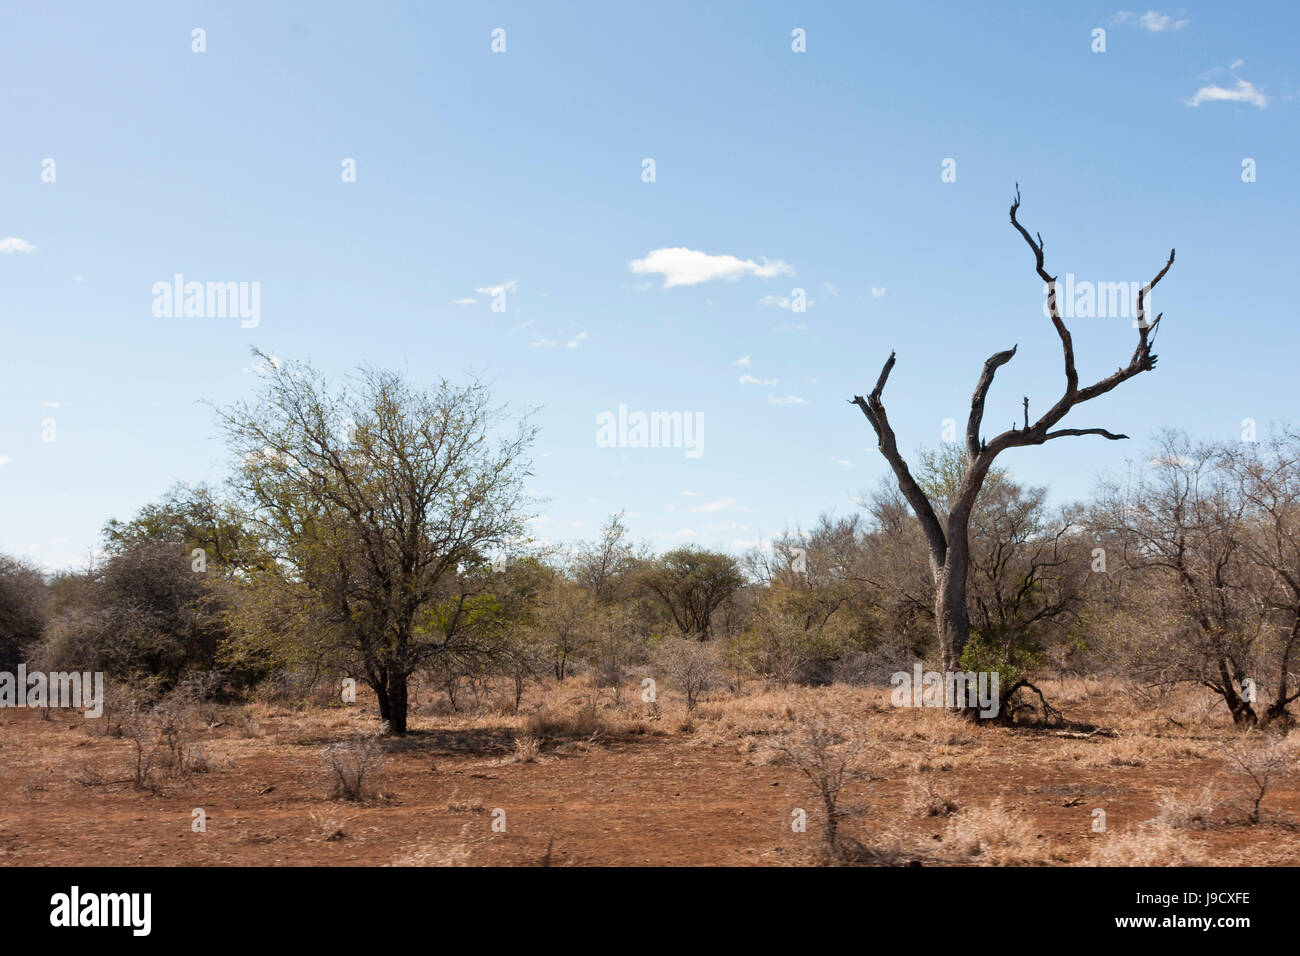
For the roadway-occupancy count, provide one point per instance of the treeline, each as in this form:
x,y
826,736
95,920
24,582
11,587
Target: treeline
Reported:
x,y
378,533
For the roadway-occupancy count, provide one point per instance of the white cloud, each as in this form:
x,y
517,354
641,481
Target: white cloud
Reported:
x,y
466,301
787,400
4,460
743,362
1154,22
748,379
716,505
843,461
685,533
681,266
51,404
793,327
1243,92
1151,21
782,301
830,287
1236,64
576,341
510,285
542,343
877,291
14,244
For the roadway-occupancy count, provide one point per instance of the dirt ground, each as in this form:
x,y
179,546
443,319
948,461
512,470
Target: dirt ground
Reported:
x,y
626,784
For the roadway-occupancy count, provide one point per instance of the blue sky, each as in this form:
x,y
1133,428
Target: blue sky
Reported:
x,y
818,171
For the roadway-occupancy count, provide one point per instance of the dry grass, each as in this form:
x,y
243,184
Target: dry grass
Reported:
x,y
328,827
1194,812
1151,844
551,724
1120,752
440,854
527,749
941,790
993,836
925,798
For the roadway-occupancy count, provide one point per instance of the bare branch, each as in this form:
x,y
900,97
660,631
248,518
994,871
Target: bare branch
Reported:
x,y
1075,432
991,365
1067,342
1147,331
1142,359
874,409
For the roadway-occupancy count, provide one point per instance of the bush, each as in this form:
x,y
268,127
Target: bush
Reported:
x,y
546,724
22,609
692,666
1259,764
830,757
352,763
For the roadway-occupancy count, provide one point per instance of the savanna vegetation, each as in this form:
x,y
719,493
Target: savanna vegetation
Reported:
x,y
374,537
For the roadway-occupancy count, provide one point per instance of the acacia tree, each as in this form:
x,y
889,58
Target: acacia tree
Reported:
x,y
949,541
196,517
369,500
1181,529
1268,480
692,583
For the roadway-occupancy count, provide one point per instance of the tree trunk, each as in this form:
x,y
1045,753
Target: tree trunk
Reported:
x,y
1242,712
951,615
952,620
396,695
949,548
1277,711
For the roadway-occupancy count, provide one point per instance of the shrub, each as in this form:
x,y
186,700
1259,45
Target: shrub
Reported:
x,y
830,758
693,666
547,724
352,764
1258,764
527,747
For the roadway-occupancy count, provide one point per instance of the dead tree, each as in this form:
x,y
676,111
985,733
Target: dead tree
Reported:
x,y
949,543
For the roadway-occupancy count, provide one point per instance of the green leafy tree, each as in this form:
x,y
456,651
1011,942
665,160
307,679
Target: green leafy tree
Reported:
x,y
371,499
692,583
